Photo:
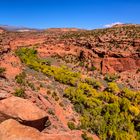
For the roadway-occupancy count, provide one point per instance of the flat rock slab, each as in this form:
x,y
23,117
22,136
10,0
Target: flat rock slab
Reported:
x,y
13,130
23,111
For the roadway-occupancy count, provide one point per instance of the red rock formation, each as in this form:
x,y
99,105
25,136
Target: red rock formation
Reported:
x,y
111,65
23,111
13,130
106,49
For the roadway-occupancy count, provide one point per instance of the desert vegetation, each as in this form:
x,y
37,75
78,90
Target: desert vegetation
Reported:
x,y
112,114
109,115
2,70
62,74
19,92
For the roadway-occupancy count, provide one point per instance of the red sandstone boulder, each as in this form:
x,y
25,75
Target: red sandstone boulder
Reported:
x,y
13,130
24,111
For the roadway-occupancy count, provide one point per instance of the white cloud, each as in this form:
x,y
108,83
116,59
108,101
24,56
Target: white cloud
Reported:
x,y
112,24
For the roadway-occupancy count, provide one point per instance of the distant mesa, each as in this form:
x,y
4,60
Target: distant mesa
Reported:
x,y
121,25
15,28
63,29
26,29
124,24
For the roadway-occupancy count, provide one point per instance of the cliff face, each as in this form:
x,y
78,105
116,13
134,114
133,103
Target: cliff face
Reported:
x,y
120,64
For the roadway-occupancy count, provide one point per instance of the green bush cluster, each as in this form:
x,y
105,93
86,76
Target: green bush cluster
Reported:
x,y
50,111
110,77
86,137
96,84
61,74
113,88
71,125
2,70
19,92
55,96
31,85
111,116
20,78
93,68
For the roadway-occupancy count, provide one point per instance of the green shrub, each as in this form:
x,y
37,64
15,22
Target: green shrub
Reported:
x,y
93,68
55,96
108,97
61,104
48,92
113,87
20,78
41,85
135,111
85,136
50,111
96,84
19,92
71,125
112,108
111,77
129,94
87,89
79,108
81,63
137,98
124,104
2,70
45,62
46,97
31,85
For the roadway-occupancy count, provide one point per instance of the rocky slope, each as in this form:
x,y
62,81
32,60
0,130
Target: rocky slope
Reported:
x,y
111,53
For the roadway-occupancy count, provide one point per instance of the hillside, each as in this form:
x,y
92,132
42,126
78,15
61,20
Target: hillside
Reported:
x,y
70,84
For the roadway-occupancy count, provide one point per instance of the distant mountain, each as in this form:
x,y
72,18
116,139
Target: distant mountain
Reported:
x,y
17,28
24,29
64,29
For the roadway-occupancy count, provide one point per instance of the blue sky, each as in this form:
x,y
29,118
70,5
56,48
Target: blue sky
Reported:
x,y
88,14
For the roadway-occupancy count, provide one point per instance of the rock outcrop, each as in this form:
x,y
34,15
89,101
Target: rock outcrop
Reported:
x,y
111,65
23,111
13,130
